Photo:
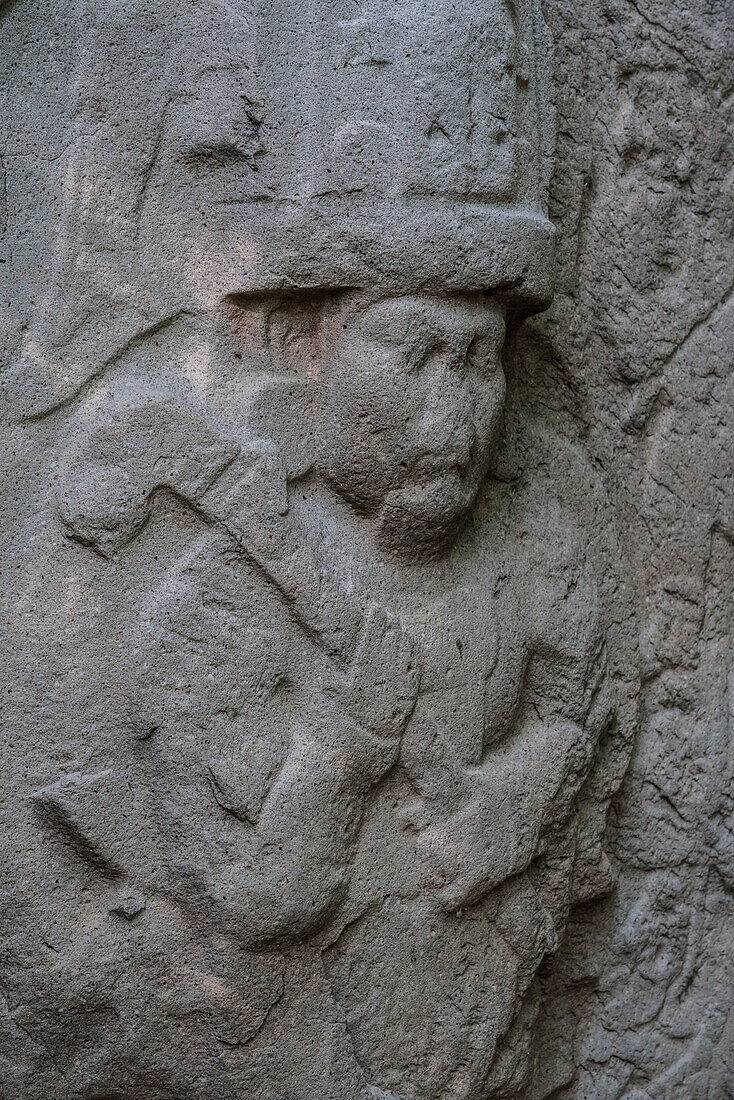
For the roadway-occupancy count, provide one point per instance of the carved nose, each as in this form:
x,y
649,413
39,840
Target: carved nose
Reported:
x,y
447,420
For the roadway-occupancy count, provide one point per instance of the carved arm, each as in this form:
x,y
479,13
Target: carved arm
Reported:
x,y
298,857
136,446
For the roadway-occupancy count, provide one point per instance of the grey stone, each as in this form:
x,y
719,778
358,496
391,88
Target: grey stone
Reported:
x,y
367,725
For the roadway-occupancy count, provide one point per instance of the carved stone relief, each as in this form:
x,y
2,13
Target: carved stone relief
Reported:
x,y
324,644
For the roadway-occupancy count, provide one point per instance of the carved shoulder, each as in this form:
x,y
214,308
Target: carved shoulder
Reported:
x,y
548,593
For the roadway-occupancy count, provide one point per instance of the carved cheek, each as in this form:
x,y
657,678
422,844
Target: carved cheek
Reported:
x,y
490,406
371,401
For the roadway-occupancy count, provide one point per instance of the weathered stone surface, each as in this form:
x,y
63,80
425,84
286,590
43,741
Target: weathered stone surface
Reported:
x,y
367,724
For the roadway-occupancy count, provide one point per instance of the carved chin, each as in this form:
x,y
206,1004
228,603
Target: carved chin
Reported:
x,y
425,517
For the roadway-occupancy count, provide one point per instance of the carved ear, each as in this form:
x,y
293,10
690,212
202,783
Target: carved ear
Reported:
x,y
130,450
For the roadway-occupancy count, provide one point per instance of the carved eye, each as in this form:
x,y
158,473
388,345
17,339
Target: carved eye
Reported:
x,y
213,148
482,355
430,355
221,153
226,142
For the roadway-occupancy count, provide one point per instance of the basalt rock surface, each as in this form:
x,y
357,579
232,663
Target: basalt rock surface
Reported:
x,y
367,550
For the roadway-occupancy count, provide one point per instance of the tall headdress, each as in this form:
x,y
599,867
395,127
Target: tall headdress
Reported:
x,y
403,144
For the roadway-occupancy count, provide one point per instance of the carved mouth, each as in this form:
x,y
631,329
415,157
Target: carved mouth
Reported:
x,y
436,465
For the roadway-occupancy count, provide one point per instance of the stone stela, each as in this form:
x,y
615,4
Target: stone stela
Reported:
x,y
325,774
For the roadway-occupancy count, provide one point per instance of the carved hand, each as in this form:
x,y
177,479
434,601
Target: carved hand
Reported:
x,y
381,685
477,826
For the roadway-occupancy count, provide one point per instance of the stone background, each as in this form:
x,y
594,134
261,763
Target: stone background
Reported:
x,y
632,368
634,362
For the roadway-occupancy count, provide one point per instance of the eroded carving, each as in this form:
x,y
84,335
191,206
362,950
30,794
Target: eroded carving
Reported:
x,y
357,684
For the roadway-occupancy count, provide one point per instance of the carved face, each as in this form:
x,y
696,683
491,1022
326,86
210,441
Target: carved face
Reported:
x,y
409,398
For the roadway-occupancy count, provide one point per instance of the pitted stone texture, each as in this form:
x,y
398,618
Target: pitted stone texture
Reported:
x,y
639,344
336,597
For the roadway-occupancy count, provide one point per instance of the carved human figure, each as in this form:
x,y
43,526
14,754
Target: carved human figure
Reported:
x,y
264,709
407,401
353,711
